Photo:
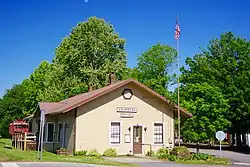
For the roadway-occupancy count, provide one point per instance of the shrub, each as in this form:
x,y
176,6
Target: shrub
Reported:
x,y
63,149
110,152
200,156
181,152
150,153
81,153
171,157
224,143
162,153
162,156
93,153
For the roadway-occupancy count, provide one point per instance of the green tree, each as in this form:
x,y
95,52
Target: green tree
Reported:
x,y
92,51
225,65
154,68
209,108
59,86
12,106
22,99
35,84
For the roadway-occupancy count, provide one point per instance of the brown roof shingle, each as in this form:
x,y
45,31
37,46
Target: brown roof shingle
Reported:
x,y
76,101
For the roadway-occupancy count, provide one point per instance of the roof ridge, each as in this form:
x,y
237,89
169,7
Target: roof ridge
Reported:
x,y
89,92
78,100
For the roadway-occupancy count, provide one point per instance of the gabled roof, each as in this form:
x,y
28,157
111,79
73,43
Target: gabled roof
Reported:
x,y
76,101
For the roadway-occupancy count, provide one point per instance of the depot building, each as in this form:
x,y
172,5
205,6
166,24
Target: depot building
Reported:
x,y
125,115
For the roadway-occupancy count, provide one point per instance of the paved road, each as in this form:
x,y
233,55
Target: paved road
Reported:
x,y
234,156
46,164
158,163
139,162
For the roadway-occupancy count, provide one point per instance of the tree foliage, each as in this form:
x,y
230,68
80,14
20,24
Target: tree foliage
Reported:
x,y
59,86
92,51
12,106
224,68
154,68
209,107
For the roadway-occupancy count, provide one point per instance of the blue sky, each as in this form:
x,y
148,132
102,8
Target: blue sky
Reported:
x,y
32,29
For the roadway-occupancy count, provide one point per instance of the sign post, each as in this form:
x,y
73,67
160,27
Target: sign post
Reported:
x,y
41,132
220,135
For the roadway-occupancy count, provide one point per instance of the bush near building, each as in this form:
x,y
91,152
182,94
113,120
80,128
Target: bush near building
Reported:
x,y
110,152
182,155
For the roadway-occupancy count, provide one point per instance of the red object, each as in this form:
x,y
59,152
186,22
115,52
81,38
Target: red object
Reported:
x,y
177,31
18,126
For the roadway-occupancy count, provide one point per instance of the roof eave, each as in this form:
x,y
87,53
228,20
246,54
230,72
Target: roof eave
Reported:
x,y
64,110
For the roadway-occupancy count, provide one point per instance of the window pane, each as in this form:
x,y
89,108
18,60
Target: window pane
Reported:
x,y
158,133
115,132
50,133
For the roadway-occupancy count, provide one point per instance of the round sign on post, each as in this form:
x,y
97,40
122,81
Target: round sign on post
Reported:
x,y
220,135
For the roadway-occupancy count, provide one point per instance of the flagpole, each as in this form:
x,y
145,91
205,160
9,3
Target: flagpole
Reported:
x,y
178,85
179,121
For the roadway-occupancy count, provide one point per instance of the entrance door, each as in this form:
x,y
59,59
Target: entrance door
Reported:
x,y
137,139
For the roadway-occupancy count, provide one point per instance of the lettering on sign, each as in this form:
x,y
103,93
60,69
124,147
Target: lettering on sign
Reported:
x,y
127,115
126,109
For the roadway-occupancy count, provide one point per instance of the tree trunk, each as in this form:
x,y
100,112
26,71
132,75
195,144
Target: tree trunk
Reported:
x,y
197,148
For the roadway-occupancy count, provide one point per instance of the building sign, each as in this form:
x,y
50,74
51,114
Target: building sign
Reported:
x,y
126,109
127,115
127,138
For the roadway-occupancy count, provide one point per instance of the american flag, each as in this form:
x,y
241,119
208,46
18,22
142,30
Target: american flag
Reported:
x,y
177,31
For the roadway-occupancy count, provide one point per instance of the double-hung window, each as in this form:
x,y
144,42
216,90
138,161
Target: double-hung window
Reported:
x,y
115,133
50,131
158,133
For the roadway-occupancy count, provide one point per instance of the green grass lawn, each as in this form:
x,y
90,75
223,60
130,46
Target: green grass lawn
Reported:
x,y
217,161
213,161
19,155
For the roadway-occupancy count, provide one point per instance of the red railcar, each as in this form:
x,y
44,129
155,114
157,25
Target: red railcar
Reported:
x,y
18,126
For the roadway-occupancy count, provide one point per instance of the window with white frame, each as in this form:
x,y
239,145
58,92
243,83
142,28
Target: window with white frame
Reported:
x,y
158,133
115,131
50,131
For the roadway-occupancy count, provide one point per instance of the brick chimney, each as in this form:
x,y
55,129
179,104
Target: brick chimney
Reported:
x,y
112,78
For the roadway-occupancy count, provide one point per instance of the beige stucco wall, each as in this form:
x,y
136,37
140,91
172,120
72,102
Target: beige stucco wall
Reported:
x,y
68,118
93,119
